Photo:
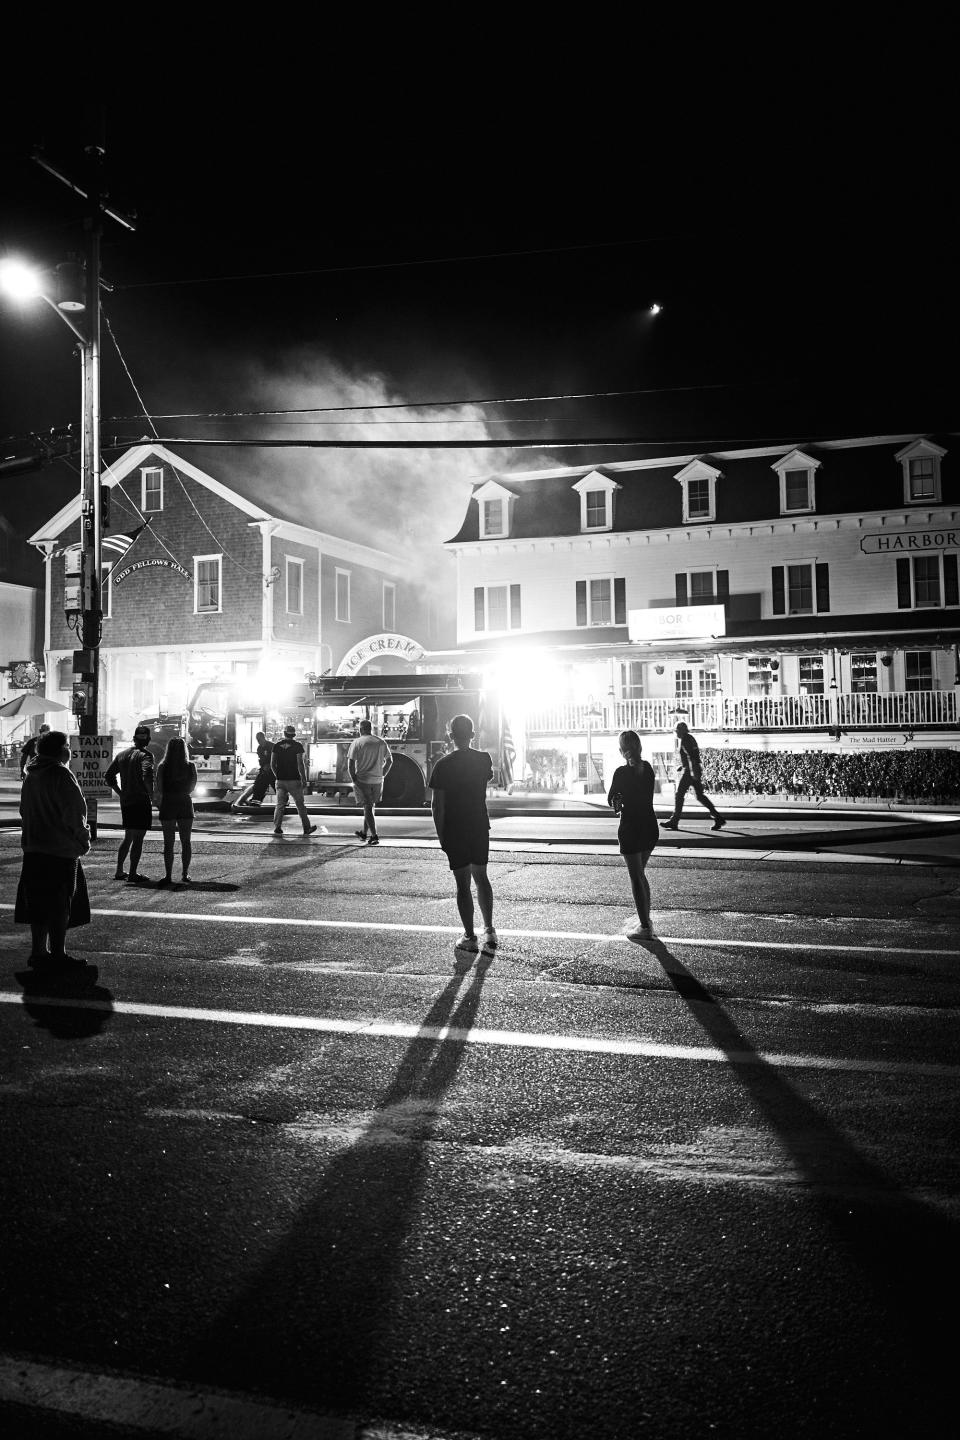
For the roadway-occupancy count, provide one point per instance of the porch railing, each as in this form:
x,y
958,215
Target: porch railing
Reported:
x,y
759,712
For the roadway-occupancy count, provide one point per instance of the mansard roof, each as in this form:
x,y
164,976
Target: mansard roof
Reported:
x,y
853,476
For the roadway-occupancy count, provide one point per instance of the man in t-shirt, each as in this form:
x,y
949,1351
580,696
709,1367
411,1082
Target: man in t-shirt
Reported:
x,y
459,783
265,776
290,773
691,773
369,760
134,767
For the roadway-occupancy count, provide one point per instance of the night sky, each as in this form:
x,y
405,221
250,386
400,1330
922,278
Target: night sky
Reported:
x,y
301,256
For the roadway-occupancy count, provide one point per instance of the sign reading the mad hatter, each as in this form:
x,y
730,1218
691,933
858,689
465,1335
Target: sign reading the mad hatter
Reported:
x,y
380,647
162,562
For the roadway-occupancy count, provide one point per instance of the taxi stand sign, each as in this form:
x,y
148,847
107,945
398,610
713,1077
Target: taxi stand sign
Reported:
x,y
90,756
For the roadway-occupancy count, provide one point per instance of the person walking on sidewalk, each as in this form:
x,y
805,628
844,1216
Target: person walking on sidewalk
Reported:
x,y
134,767
459,783
176,782
631,797
691,774
290,770
369,760
52,893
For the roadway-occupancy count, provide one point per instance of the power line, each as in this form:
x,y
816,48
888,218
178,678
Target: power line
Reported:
x,y
584,442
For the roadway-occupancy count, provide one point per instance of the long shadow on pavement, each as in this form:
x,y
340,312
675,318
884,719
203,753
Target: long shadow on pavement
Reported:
x,y
907,1252
313,1322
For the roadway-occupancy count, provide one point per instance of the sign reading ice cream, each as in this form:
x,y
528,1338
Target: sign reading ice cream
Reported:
x,y
379,648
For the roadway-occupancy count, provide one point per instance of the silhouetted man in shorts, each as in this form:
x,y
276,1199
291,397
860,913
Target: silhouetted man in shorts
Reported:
x,y
134,767
459,783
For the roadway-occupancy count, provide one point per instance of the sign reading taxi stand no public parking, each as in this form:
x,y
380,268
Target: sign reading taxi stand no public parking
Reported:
x,y
90,756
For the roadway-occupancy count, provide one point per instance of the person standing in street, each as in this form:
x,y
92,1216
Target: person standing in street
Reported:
x,y
290,772
459,783
691,773
368,760
631,797
176,782
29,748
52,893
134,767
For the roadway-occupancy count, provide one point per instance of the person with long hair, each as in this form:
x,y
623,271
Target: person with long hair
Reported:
x,y
176,782
631,797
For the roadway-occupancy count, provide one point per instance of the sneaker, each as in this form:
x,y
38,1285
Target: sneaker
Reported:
x,y
139,880
669,825
374,840
120,875
641,932
185,880
310,831
360,834
718,824
468,943
278,832
490,941
165,880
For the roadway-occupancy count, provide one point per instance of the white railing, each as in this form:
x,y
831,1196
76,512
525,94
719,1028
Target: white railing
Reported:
x,y
759,712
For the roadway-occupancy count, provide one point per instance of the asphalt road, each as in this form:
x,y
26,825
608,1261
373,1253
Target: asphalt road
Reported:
x,y
289,1169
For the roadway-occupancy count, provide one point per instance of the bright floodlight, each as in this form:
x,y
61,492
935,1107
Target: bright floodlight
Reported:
x,y
655,308
19,280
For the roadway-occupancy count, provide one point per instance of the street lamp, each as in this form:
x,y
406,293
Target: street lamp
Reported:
x,y
77,294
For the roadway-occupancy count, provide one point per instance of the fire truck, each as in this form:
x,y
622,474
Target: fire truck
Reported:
x,y
411,713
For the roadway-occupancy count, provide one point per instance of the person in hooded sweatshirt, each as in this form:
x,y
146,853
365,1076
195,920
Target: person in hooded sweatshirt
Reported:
x,y
52,894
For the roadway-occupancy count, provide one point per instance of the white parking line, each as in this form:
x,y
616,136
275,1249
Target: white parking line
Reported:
x,y
139,1405
597,938
514,1039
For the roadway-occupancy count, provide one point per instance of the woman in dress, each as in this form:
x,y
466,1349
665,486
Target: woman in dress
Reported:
x,y
631,796
176,782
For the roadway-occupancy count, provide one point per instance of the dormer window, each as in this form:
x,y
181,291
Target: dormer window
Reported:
x,y
797,474
920,463
597,494
496,507
699,482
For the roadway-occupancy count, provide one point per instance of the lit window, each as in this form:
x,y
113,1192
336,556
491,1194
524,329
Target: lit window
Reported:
x,y
206,584
493,517
294,586
683,684
920,465
863,674
759,677
811,674
151,498
709,684
496,607
342,596
631,680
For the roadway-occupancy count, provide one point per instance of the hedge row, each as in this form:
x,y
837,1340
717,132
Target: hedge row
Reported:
x,y
894,775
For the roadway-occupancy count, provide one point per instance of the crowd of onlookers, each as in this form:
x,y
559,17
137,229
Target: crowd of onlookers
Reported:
x,y
887,774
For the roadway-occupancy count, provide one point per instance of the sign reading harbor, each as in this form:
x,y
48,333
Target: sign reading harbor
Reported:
x,y
119,575
692,622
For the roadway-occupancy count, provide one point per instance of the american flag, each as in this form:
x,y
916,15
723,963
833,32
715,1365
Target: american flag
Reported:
x,y
508,754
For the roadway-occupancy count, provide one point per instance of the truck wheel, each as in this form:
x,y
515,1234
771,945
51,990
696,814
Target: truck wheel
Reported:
x,y
404,785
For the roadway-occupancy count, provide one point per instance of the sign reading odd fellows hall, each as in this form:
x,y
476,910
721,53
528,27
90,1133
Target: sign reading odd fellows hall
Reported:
x,y
162,562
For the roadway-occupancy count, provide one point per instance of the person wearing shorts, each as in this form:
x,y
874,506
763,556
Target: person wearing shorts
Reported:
x,y
631,797
459,783
134,769
368,760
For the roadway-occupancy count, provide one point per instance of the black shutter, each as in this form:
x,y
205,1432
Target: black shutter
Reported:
x,y
581,602
903,585
681,590
779,598
514,607
478,609
823,588
723,586
951,590
619,602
